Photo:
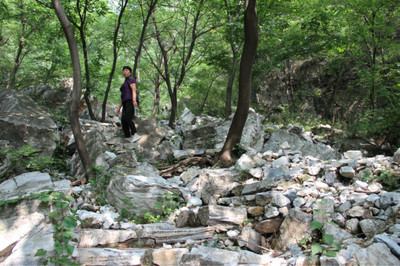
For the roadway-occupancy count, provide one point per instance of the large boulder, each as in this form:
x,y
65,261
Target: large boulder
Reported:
x,y
23,122
213,134
138,190
296,141
96,147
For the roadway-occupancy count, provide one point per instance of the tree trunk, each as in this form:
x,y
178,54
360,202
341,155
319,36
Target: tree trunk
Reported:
x,y
123,6
228,98
152,6
87,75
11,82
77,90
245,77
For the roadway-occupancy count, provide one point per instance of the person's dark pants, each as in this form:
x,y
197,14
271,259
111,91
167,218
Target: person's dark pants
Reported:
x,y
128,113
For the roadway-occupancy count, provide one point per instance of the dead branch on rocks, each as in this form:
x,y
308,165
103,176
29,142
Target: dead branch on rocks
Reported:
x,y
192,160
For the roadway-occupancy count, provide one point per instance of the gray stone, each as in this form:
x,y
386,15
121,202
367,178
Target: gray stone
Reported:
x,y
23,122
338,233
294,227
168,257
347,171
214,214
96,147
353,154
251,239
269,226
396,156
209,256
109,256
298,143
389,199
25,184
390,243
272,197
323,210
371,226
245,163
138,191
376,254
352,225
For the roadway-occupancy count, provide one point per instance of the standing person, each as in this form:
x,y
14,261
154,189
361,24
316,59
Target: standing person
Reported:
x,y
128,103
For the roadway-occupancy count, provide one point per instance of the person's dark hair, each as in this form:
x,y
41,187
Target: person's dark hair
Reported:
x,y
127,67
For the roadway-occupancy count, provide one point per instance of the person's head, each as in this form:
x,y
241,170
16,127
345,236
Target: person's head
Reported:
x,y
126,71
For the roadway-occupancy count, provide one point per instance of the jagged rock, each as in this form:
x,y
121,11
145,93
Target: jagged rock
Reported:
x,y
108,256
24,230
261,186
269,226
167,233
396,156
33,182
298,143
347,171
23,122
96,147
90,238
166,257
214,134
139,192
214,214
213,184
390,242
338,233
272,197
376,254
250,239
210,256
323,210
293,228
370,227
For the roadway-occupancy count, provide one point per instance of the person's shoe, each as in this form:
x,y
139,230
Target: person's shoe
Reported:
x,y
135,138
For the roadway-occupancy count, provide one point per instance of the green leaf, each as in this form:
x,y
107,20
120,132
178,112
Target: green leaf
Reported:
x,y
336,246
40,252
330,253
316,225
69,222
315,249
328,238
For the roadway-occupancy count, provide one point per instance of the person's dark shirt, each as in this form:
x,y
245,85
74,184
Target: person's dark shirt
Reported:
x,y
126,91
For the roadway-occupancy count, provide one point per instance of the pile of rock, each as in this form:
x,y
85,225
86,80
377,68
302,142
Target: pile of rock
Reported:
x,y
256,212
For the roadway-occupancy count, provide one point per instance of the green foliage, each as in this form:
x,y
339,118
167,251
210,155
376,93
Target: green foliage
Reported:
x,y
65,220
27,158
389,178
167,204
100,181
320,242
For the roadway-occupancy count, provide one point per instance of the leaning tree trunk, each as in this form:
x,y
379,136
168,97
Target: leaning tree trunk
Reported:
x,y
77,90
245,76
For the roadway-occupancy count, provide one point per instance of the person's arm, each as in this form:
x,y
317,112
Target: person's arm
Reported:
x,y
118,111
133,88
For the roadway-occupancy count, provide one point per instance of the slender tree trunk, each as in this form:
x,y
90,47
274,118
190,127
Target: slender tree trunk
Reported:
x,y
11,81
124,3
245,77
77,90
87,75
157,90
229,89
150,12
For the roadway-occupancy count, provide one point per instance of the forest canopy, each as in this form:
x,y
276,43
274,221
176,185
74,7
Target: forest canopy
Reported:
x,y
335,61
